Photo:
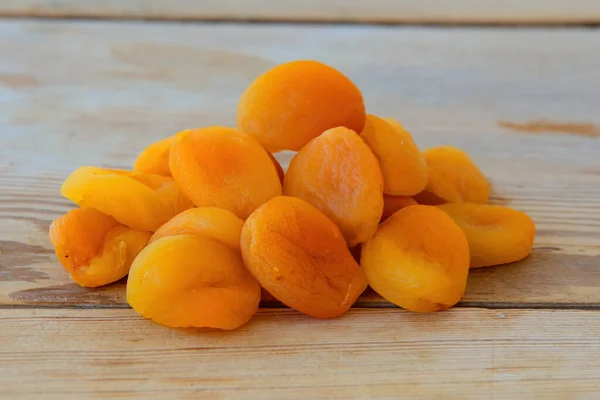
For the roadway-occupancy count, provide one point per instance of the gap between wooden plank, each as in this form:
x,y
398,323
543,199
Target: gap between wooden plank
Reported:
x,y
479,12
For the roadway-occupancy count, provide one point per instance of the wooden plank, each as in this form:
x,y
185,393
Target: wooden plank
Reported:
x,y
461,354
376,11
97,93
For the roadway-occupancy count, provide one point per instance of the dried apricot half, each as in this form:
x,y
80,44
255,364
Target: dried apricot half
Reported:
x,y
94,248
338,174
453,178
391,204
223,167
192,281
496,234
139,201
418,259
293,103
402,164
300,256
216,223
154,159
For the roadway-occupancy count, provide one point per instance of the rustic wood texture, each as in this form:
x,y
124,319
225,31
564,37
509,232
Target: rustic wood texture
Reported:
x,y
280,354
75,93
374,11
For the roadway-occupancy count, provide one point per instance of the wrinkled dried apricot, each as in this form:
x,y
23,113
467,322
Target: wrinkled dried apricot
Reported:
x,y
139,201
402,163
300,256
391,204
418,259
293,103
216,223
154,159
94,248
223,167
453,178
192,281
496,234
338,174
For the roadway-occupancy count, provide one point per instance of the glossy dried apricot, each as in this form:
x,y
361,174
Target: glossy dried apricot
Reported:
x,y
94,248
496,234
453,178
338,174
154,159
225,168
300,256
216,223
402,164
139,201
293,103
391,204
418,259
192,281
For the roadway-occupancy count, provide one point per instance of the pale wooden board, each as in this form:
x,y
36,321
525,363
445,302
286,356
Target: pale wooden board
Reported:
x,y
377,11
464,353
97,93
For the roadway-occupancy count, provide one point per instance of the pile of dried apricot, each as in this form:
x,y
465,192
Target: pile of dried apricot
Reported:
x,y
207,217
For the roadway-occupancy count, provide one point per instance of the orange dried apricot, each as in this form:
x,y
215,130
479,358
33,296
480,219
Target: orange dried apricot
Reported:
x,y
139,201
216,223
391,204
453,178
223,167
300,256
496,234
338,174
293,103
402,163
192,281
154,159
418,259
94,248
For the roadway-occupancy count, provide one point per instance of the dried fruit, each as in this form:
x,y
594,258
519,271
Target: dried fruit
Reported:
x,y
293,103
140,201
496,234
418,259
402,163
338,174
216,223
192,281
301,258
453,178
154,159
223,167
391,204
94,248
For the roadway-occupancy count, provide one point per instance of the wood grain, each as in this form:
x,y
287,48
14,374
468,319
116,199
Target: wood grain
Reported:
x,y
375,11
98,92
460,354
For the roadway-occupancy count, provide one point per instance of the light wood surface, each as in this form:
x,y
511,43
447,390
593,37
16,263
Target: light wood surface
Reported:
x,y
374,11
460,354
75,93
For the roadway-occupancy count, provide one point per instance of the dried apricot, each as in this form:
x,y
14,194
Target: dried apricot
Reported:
x,y
402,163
94,248
453,178
293,103
154,159
139,201
216,223
418,259
496,234
338,174
223,167
391,204
192,281
300,256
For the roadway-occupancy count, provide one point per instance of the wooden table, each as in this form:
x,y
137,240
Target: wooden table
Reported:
x,y
524,102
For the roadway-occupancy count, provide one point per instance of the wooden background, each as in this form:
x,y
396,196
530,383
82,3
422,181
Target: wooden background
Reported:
x,y
90,82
